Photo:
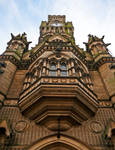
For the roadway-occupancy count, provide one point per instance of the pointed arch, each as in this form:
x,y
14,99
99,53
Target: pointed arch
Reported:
x,y
57,37
64,141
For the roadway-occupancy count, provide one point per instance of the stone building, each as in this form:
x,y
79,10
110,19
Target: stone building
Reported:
x,y
57,96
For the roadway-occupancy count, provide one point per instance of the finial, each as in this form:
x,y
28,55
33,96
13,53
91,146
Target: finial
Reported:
x,y
12,36
107,44
102,37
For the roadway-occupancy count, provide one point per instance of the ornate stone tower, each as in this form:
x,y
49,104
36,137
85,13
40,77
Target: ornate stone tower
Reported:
x,y
57,96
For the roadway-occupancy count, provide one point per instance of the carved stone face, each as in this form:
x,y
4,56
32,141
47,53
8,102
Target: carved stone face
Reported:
x,y
98,47
13,46
16,45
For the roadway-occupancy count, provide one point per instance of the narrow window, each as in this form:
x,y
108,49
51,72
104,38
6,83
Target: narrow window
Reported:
x,y
53,69
63,68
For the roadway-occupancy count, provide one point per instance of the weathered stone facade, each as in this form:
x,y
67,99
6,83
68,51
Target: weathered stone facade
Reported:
x,y
57,96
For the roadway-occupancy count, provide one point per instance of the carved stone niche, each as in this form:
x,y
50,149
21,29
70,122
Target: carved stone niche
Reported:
x,y
109,134
5,134
48,103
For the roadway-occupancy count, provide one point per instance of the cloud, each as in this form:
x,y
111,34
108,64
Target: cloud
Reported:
x,y
90,16
94,17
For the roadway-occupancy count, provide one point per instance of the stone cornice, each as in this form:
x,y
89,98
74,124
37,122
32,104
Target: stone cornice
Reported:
x,y
103,60
38,83
20,64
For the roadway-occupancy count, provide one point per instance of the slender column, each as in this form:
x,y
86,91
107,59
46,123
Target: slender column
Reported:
x,y
58,69
44,63
72,64
73,69
44,67
47,66
24,86
36,74
81,76
29,78
90,84
69,69
33,78
27,85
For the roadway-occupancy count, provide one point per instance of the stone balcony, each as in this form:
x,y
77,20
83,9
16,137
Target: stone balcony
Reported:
x,y
50,99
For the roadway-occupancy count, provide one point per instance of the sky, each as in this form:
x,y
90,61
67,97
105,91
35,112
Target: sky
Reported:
x,y
96,17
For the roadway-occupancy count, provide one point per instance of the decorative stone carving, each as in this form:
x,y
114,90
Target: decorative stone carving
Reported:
x,y
54,96
96,127
46,80
10,102
18,43
105,104
72,80
55,80
21,125
109,132
6,134
63,80
96,45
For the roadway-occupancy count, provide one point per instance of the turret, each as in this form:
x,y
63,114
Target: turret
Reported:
x,y
56,25
9,61
17,46
97,48
104,63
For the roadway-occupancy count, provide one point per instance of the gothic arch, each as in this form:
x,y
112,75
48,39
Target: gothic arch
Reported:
x,y
41,67
66,142
57,37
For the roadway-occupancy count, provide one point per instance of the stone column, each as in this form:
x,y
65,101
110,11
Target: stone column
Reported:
x,y
44,67
80,75
73,69
69,69
47,67
58,69
28,81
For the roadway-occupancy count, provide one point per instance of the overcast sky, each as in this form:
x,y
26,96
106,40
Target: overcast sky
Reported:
x,y
95,17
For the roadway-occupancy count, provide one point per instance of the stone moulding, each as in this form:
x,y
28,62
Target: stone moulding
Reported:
x,y
64,140
45,103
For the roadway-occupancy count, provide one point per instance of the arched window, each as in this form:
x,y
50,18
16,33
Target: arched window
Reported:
x,y
63,69
53,66
52,69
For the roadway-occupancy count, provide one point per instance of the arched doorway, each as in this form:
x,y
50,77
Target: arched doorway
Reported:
x,y
63,143
58,146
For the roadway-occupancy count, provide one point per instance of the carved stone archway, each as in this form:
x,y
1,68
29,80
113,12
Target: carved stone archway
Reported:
x,y
62,143
58,146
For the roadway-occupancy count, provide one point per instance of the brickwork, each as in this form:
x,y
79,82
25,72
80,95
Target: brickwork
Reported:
x,y
52,97
17,84
97,85
108,77
33,132
7,77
